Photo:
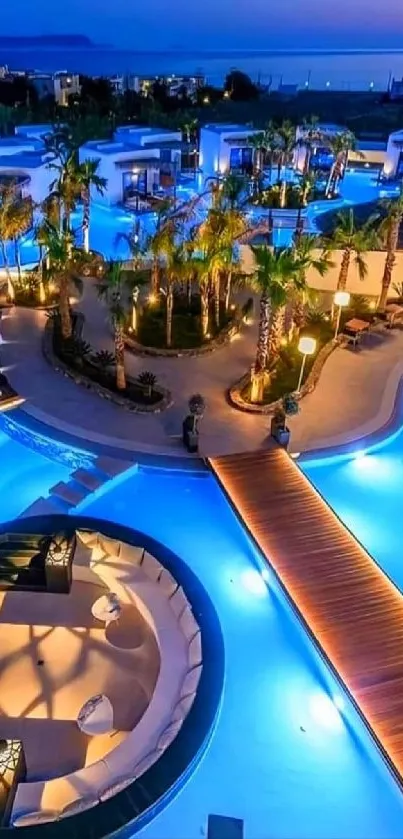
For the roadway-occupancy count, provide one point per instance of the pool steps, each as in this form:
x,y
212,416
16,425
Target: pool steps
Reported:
x,y
66,495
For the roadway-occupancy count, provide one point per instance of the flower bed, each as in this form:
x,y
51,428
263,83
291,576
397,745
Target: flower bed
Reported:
x,y
85,372
222,337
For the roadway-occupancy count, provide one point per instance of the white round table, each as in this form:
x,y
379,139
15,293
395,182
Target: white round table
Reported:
x,y
107,608
96,715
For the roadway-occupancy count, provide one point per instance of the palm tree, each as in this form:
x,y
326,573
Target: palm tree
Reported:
x,y
312,135
15,219
6,199
354,241
277,271
202,267
233,191
88,179
154,243
59,252
311,253
340,145
286,145
175,269
189,127
259,145
111,289
389,230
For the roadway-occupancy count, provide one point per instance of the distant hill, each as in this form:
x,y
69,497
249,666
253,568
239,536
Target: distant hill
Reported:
x,y
18,41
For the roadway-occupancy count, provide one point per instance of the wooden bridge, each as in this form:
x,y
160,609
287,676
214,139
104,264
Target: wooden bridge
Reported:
x,y
349,605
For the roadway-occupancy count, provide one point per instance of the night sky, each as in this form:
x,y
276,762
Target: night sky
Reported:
x,y
210,24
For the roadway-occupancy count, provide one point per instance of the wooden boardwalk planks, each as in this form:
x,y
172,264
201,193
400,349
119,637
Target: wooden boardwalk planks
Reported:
x,y
351,607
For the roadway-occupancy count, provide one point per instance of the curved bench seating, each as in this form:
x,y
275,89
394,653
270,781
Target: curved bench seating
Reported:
x,y
137,578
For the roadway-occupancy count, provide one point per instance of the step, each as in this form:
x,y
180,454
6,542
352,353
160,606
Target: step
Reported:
x,y
69,494
111,467
41,507
88,479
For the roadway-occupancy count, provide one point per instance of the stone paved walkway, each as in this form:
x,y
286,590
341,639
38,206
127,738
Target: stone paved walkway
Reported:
x,y
355,392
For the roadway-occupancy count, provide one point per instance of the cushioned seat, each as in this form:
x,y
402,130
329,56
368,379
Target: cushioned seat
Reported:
x,y
39,817
191,681
78,806
146,762
195,651
110,546
151,567
87,537
57,793
117,786
129,553
167,583
178,602
188,624
169,734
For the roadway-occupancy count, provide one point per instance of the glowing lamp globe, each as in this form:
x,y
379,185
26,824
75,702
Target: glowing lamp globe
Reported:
x,y
342,298
307,346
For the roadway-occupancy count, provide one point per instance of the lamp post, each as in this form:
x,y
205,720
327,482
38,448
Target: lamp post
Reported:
x,y
306,346
341,299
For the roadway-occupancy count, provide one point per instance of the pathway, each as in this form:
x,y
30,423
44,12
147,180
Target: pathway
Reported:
x,y
356,390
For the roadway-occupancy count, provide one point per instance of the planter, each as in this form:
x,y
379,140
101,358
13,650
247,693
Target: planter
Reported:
x,y
81,379
235,392
280,434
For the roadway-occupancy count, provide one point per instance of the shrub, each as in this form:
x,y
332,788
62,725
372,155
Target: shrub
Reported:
x,y
290,405
148,381
103,359
76,348
247,308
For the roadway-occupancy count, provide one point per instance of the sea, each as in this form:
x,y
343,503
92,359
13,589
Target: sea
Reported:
x,y
316,70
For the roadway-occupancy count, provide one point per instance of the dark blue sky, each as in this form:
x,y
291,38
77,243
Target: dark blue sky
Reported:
x,y
227,24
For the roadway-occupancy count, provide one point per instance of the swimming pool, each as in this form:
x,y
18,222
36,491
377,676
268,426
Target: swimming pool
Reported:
x,y
110,225
283,757
365,489
289,755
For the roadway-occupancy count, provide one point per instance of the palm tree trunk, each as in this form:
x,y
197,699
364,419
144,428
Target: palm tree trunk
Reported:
x,y
120,358
189,291
276,331
298,315
10,284
330,182
64,308
307,161
204,309
389,265
343,275
86,218
283,193
155,277
263,335
17,258
228,286
170,306
217,284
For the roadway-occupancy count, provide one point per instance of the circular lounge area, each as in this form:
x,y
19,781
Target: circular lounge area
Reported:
x,y
114,673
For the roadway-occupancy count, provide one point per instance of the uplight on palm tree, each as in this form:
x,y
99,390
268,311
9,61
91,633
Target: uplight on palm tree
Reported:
x,y
59,252
276,271
111,289
389,230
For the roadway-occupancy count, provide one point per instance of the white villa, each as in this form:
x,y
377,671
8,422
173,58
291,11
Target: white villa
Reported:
x,y
24,161
225,148
137,163
393,167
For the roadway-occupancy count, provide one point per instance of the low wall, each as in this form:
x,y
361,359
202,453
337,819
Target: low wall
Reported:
x,y
369,287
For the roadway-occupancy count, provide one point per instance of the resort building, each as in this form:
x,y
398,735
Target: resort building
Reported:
x,y
225,148
137,163
36,131
24,162
60,85
393,167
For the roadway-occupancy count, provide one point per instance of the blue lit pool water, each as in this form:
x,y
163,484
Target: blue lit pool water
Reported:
x,y
365,489
108,223
282,757
25,474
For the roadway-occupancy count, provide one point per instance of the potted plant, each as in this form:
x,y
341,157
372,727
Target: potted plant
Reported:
x,y
279,429
190,426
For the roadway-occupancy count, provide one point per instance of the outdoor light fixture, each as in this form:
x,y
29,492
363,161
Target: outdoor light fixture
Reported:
x,y
306,346
152,298
341,299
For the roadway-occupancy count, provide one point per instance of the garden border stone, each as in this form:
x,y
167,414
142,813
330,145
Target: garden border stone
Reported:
x,y
80,379
237,401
